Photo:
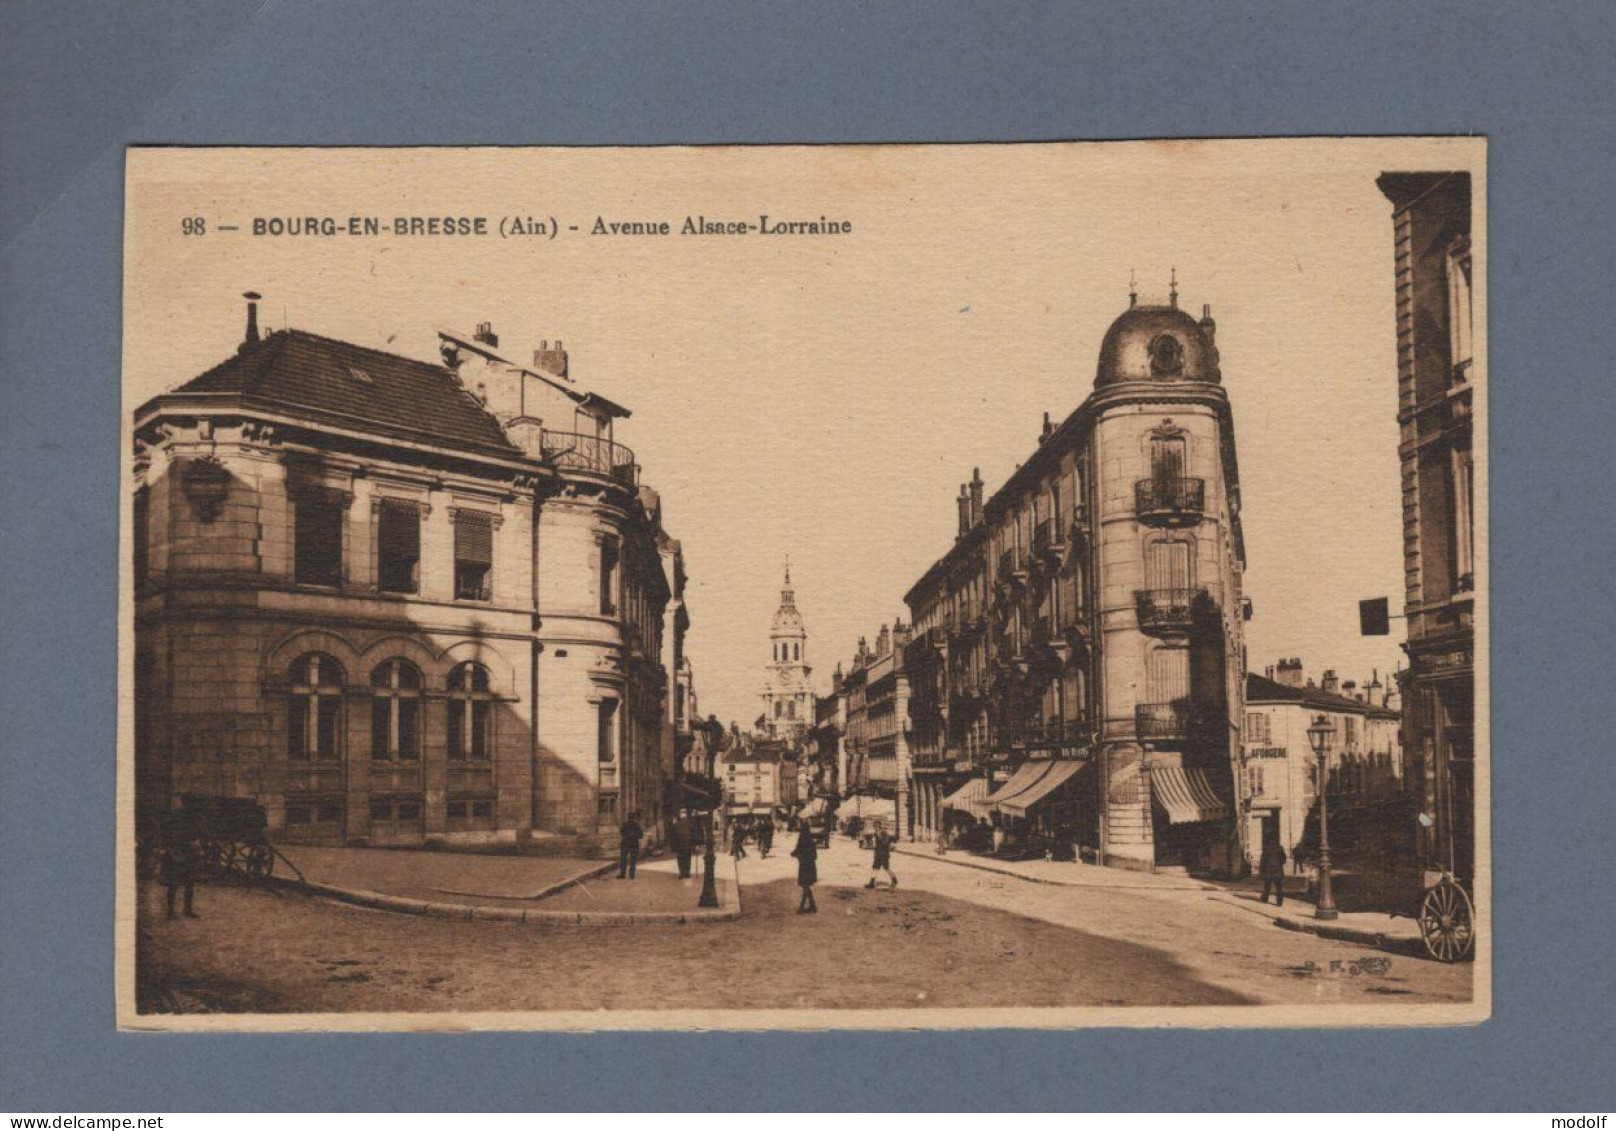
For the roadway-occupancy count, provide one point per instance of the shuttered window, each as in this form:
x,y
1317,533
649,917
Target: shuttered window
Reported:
x,y
1167,565
398,547
1167,458
1168,675
474,556
318,542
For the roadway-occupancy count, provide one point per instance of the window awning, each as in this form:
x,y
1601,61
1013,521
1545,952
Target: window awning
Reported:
x,y
1022,780
971,798
1058,775
868,808
1186,795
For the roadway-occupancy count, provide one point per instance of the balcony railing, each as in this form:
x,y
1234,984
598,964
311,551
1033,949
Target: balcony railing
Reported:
x,y
1045,733
574,451
1011,567
1171,502
1160,720
1165,610
1047,542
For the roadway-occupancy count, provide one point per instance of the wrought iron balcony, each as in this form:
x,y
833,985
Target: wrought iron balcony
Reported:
x,y
1161,721
1169,502
574,451
1165,612
1012,569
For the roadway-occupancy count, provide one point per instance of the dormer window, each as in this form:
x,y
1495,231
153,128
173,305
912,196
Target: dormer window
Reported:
x,y
1166,356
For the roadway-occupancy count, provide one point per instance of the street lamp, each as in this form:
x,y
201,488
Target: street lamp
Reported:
x,y
709,866
1319,735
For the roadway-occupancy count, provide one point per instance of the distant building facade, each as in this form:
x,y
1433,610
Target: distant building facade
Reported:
x,y
1438,369
1280,771
759,776
396,601
1078,653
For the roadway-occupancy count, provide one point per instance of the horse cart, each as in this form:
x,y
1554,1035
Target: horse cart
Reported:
x,y
220,835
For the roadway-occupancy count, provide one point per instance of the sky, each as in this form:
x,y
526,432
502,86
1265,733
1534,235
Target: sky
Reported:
x,y
822,398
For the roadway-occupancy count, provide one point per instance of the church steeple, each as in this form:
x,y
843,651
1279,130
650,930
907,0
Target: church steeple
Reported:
x,y
787,697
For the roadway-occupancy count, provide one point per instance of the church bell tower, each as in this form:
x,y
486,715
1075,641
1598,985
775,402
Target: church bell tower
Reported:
x,y
788,701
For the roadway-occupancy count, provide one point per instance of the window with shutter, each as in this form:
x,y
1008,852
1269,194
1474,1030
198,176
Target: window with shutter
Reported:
x,y
398,547
1169,675
474,556
318,542
1168,565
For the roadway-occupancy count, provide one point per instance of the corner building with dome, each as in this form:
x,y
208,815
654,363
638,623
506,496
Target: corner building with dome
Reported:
x,y
788,698
1075,666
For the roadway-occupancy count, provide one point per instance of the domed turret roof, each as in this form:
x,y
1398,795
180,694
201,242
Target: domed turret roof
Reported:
x,y
787,620
1158,343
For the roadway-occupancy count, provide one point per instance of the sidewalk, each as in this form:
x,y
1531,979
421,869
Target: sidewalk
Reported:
x,y
510,888
1362,927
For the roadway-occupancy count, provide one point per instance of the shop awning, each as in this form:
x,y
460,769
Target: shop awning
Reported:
x,y
971,798
1026,776
867,808
1186,795
1041,790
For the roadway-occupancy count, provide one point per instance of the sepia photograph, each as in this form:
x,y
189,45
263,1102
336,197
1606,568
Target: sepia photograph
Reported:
x,y
805,587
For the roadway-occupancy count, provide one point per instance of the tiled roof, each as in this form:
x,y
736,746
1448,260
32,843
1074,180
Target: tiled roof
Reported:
x,y
396,395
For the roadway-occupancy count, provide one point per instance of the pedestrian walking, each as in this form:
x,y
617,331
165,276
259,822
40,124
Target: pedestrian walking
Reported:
x,y
628,846
179,860
1272,869
681,839
737,841
766,838
807,854
882,860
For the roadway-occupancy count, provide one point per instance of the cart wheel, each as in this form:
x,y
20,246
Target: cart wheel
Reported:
x,y
257,860
1447,922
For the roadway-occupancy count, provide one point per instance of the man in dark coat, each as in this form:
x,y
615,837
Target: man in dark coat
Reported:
x,y
882,861
1272,869
807,854
628,846
681,839
766,837
179,859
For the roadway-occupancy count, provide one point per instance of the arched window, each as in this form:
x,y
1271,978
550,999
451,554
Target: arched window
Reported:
x,y
796,651
395,711
470,713
791,708
314,718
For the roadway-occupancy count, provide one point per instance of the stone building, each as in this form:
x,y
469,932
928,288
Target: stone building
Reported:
x,y
1083,682
396,601
1280,771
788,697
760,776
877,727
1438,369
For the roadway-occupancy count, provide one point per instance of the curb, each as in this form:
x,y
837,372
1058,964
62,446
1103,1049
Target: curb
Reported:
x,y
1339,934
961,863
542,893
404,905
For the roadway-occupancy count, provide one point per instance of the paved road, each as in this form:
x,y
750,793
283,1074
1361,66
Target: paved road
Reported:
x,y
947,937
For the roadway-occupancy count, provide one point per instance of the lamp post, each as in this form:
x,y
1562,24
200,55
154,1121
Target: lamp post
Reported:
x,y
709,866
1319,735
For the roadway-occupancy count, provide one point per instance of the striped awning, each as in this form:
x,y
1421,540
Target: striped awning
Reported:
x,y
1058,774
971,798
1186,795
1022,780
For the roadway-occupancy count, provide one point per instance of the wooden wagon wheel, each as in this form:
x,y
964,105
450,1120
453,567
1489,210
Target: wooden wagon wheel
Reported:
x,y
257,860
1447,922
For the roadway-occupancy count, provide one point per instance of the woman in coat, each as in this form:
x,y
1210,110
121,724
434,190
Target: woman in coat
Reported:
x,y
1271,867
807,854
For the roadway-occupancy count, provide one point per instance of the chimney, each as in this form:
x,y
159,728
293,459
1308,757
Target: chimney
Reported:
x,y
1048,428
552,362
976,495
252,298
964,502
1269,672
1350,690
1290,672
1330,685
485,334
1207,325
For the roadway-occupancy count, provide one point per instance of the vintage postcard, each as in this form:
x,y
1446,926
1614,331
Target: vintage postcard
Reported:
x,y
805,587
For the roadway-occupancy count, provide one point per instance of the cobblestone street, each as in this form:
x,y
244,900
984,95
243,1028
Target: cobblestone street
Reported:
x,y
948,937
